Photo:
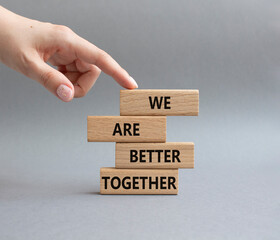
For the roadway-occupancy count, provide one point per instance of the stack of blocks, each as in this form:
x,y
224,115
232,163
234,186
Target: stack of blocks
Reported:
x,y
145,163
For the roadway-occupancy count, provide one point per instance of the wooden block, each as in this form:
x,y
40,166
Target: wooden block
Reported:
x,y
138,181
126,129
155,155
159,102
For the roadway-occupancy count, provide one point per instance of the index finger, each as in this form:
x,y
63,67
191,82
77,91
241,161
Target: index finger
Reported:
x,y
89,53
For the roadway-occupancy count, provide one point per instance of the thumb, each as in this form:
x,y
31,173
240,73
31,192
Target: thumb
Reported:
x,y
53,80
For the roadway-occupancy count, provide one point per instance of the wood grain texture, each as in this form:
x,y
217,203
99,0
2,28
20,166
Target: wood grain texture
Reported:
x,y
138,181
155,155
141,102
147,129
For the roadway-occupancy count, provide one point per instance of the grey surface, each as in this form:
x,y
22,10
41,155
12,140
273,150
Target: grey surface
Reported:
x,y
229,50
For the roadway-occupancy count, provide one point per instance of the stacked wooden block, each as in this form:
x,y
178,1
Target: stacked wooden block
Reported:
x,y
145,163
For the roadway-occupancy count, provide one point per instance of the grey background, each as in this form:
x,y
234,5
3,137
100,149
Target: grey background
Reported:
x,y
229,50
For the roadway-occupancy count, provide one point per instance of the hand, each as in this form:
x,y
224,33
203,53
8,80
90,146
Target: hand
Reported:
x,y
27,45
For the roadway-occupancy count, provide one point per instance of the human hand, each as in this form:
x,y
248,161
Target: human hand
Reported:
x,y
27,45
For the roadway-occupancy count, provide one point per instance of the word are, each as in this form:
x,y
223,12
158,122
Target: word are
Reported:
x,y
128,129
140,182
158,102
155,155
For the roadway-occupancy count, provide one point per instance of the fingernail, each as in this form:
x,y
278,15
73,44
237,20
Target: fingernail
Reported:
x,y
65,93
134,82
